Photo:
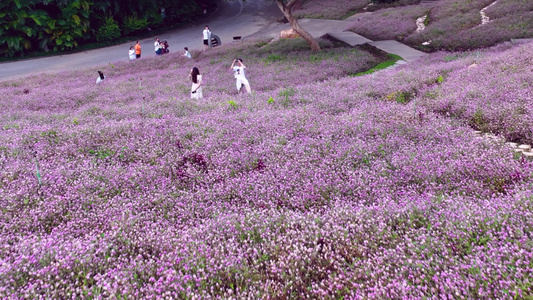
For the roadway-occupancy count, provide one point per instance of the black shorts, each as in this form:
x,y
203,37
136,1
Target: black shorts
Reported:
x,y
137,55
206,42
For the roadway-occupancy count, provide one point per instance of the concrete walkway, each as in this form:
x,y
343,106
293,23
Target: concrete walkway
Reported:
x,y
392,46
253,18
337,29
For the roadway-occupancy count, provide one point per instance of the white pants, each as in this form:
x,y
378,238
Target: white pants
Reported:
x,y
243,81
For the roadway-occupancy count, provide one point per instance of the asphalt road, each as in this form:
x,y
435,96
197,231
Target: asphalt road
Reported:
x,y
233,18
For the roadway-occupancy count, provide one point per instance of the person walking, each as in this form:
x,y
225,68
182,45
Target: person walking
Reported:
x,y
196,88
137,50
207,36
131,53
157,46
238,71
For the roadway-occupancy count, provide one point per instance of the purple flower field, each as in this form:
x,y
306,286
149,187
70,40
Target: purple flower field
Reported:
x,y
324,9
316,185
390,23
451,25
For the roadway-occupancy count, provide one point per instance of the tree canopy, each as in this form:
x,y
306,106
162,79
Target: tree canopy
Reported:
x,y
57,25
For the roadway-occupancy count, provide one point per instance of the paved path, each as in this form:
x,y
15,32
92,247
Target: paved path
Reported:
x,y
338,30
391,46
252,18
234,18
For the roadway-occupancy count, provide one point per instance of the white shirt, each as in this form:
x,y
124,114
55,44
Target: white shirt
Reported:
x,y
156,45
187,53
132,54
98,80
207,33
238,72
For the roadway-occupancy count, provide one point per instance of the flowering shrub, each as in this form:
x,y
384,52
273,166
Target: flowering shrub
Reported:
x,y
377,5
315,185
492,96
390,23
108,31
322,9
451,24
450,30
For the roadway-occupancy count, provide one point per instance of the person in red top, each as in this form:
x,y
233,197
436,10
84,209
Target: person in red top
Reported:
x,y
138,50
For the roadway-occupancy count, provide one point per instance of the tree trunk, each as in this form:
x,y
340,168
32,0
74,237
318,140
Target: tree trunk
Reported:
x,y
286,9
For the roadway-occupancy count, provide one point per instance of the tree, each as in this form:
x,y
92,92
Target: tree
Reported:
x,y
18,26
286,9
67,27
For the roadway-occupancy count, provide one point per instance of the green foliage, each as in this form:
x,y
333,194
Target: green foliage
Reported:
x,y
108,31
23,25
232,104
154,18
132,24
479,121
261,44
286,94
284,47
43,25
18,26
401,97
393,58
64,31
270,100
273,58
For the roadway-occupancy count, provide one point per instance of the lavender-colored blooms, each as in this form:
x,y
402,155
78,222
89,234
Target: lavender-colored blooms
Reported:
x,y
398,3
390,23
451,25
331,189
455,25
324,9
504,9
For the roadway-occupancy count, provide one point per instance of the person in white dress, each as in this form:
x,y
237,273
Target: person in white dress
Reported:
x,y
238,71
196,88
131,53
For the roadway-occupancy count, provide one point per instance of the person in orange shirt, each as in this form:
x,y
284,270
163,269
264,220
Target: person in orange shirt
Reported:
x,y
138,50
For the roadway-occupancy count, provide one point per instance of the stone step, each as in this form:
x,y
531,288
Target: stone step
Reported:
x,y
392,46
348,37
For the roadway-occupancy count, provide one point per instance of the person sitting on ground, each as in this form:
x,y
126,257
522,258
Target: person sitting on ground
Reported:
x,y
131,53
196,88
100,78
186,52
164,47
238,72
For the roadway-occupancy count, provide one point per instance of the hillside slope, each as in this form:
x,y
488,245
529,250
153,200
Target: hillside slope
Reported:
x,y
316,185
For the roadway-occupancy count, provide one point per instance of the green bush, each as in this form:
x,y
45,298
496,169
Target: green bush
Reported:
x,y
132,24
154,19
109,31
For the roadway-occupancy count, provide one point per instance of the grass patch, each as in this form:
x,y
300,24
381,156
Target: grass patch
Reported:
x,y
348,14
393,58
